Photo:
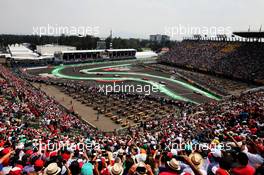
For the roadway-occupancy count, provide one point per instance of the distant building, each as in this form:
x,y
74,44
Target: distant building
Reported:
x,y
146,54
20,53
159,38
86,55
50,49
101,45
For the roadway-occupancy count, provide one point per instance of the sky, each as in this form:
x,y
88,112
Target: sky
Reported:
x,y
130,18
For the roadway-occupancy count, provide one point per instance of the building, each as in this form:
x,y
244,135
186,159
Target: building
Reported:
x,y
96,55
101,45
146,54
21,54
121,53
50,49
65,54
159,38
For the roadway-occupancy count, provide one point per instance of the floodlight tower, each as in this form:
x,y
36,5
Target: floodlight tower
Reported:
x,y
111,35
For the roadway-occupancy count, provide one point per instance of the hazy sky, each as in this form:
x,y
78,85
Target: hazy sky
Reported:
x,y
129,18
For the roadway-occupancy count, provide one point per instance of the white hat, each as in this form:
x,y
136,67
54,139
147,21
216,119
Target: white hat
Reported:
x,y
174,151
117,169
174,164
143,165
216,153
141,157
52,169
196,159
20,146
6,169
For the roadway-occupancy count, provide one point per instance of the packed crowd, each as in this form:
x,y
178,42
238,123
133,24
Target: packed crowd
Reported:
x,y
238,60
215,84
38,136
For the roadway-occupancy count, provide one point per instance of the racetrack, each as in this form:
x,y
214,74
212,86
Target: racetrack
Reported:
x,y
174,88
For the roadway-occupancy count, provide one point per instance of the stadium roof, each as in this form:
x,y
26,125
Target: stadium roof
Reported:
x,y
120,50
82,51
146,54
19,58
250,34
93,51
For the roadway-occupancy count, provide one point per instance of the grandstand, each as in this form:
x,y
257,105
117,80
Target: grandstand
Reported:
x,y
96,55
51,49
251,36
53,54
233,59
20,54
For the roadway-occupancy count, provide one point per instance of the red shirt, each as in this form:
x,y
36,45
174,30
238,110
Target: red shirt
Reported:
x,y
247,170
105,171
221,171
173,173
168,173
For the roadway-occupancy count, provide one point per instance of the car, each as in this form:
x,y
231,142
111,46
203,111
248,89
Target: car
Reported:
x,y
99,74
162,82
145,78
117,75
198,93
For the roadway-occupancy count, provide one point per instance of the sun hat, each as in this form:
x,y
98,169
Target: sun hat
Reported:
x,y
141,165
52,169
117,169
174,164
196,159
